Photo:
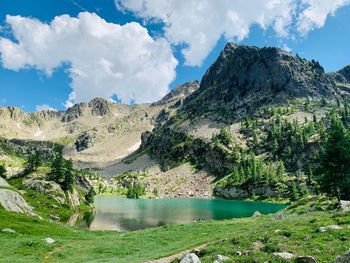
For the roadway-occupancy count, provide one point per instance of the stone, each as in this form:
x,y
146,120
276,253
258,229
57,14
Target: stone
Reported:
x,y
284,255
84,141
221,258
344,206
305,259
46,187
279,216
49,240
331,227
3,183
345,258
238,253
12,201
8,230
256,214
190,258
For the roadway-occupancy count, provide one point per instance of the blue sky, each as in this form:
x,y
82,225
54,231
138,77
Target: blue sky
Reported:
x,y
27,87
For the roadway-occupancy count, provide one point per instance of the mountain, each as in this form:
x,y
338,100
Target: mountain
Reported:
x,y
254,107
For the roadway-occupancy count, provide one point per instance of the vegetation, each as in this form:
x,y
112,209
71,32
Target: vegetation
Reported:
x,y
295,233
2,171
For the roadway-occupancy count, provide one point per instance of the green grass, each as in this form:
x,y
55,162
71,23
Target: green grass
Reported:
x,y
297,235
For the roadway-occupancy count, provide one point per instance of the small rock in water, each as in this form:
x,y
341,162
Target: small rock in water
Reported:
x,y
256,213
284,255
345,258
49,240
306,259
190,258
8,230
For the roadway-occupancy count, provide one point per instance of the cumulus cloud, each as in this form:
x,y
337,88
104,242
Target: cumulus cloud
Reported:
x,y
104,59
44,107
199,24
316,12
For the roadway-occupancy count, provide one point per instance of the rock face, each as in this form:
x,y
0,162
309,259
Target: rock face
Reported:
x,y
46,187
12,201
178,93
74,112
190,258
345,72
245,78
99,107
84,141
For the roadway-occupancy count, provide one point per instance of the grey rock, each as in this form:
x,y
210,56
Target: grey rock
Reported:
x,y
305,259
100,107
74,112
8,230
221,258
284,255
190,258
12,201
49,240
345,258
256,214
84,141
3,183
331,227
46,187
279,216
344,206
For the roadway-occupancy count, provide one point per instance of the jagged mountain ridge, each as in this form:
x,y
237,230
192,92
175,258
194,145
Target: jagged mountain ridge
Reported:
x,y
244,78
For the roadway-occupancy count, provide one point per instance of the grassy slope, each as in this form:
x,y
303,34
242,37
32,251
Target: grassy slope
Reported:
x,y
297,235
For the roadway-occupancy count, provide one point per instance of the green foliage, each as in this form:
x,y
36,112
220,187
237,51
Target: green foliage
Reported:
x,y
224,137
68,181
2,171
136,190
334,161
90,196
33,162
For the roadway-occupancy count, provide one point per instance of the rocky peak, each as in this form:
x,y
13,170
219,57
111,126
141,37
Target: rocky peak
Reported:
x,y
345,72
100,107
179,92
74,112
12,113
244,78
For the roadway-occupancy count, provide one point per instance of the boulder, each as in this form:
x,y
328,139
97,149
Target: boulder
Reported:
x,y
73,198
344,206
279,216
12,201
256,214
46,187
221,258
84,141
190,258
305,259
8,230
3,183
284,255
345,258
331,227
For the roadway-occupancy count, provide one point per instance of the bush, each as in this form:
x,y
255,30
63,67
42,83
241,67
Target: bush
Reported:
x,y
135,191
2,171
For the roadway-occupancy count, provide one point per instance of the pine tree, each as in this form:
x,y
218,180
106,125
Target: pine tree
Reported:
x,y
334,161
68,176
33,162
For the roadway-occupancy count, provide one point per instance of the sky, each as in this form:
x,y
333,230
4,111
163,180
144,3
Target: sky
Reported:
x,y
54,53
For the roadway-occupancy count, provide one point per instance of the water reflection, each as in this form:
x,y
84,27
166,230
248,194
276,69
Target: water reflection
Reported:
x,y
122,214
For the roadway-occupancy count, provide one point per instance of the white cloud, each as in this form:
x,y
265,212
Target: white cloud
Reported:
x,y
316,12
201,23
104,59
44,107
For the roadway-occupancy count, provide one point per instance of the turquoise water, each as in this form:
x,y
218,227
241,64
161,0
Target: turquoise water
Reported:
x,y
122,214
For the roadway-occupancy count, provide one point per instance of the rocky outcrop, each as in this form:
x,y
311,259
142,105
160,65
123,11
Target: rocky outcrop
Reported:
x,y
84,141
49,188
343,258
74,112
345,73
178,93
190,258
100,107
12,201
245,78
241,192
73,198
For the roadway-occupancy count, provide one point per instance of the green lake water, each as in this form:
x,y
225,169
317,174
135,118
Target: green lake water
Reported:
x,y
122,214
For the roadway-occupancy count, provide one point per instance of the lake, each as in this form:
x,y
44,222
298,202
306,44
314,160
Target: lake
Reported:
x,y
122,214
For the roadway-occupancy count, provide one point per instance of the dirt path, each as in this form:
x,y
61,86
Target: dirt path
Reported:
x,y
179,255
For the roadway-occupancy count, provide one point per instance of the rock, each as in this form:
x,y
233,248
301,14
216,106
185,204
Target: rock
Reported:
x,y
305,259
100,107
49,240
84,141
344,206
74,112
73,198
345,258
258,245
8,230
238,253
284,255
279,216
331,227
3,183
12,201
46,187
190,258
221,258
256,214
